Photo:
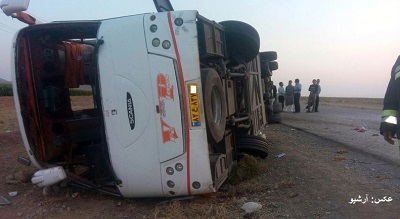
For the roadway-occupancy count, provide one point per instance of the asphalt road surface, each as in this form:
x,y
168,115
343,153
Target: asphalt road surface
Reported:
x,y
364,180
341,124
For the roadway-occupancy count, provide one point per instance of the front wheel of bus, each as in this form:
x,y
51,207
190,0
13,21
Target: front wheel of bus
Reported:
x,y
214,104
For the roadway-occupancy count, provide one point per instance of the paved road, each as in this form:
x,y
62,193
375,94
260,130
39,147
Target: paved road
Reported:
x,y
338,124
370,166
371,155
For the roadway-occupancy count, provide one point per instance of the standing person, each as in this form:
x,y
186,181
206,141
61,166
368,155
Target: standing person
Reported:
x,y
289,96
311,98
273,90
281,94
317,96
389,126
297,94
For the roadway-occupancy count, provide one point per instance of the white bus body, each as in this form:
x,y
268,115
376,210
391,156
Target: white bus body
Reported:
x,y
170,110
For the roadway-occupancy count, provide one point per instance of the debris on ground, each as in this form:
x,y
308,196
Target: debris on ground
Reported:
x,y
284,185
4,201
250,207
46,190
12,194
339,158
12,181
342,152
280,155
75,194
380,177
362,129
179,199
23,176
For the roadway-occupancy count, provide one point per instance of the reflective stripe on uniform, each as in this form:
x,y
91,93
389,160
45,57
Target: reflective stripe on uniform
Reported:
x,y
389,119
389,113
397,75
397,72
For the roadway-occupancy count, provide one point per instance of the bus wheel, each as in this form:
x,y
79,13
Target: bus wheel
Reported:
x,y
214,104
241,39
268,56
252,145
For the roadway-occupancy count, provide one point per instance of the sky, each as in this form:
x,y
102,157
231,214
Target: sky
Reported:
x,y
350,45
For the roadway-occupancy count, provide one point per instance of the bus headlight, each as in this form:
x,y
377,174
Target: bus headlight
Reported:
x,y
170,170
155,42
179,167
153,28
166,44
170,184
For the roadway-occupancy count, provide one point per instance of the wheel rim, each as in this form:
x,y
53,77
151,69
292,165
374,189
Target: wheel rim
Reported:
x,y
216,105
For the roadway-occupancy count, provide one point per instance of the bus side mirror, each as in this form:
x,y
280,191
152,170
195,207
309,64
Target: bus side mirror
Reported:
x,y
10,7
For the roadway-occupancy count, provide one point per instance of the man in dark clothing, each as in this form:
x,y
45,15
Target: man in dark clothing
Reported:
x,y
311,98
391,103
281,95
274,91
297,94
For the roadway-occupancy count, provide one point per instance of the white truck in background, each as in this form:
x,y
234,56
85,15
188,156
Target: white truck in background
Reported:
x,y
176,98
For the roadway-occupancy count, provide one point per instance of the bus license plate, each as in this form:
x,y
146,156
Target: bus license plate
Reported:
x,y
194,108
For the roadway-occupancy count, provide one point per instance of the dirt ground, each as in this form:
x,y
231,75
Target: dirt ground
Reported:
x,y
309,181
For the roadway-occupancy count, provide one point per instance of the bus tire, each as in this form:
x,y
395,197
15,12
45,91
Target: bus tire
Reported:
x,y
252,145
241,39
268,56
273,65
214,104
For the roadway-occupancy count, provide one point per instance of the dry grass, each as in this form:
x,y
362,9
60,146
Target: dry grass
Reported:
x,y
248,167
184,210
8,117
